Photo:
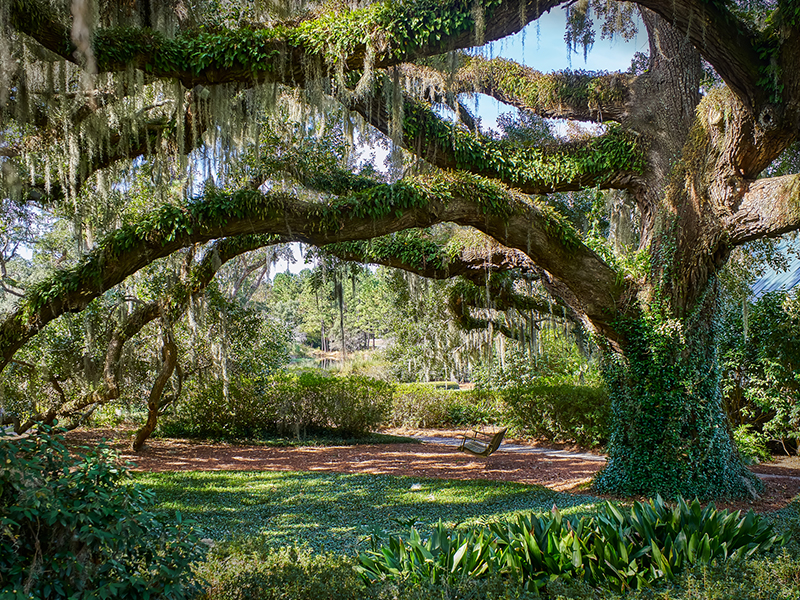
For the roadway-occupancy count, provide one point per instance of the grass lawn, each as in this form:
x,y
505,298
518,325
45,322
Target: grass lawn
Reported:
x,y
329,516
334,511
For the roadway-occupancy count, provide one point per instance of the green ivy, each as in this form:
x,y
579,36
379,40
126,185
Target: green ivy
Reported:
x,y
542,167
669,432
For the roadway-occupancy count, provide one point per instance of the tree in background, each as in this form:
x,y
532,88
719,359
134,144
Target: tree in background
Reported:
x,y
760,357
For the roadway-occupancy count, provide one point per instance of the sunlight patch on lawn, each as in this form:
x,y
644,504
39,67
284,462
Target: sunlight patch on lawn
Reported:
x,y
339,511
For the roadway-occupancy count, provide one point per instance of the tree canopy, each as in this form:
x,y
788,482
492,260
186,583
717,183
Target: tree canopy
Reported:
x,y
172,117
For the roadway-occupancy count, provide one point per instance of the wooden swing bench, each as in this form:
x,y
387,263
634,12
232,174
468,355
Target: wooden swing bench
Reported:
x,y
482,444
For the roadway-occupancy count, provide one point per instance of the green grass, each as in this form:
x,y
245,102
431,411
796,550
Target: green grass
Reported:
x,y
335,511
260,512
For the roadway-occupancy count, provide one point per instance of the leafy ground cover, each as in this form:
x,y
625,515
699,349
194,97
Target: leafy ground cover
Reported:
x,y
334,511
295,536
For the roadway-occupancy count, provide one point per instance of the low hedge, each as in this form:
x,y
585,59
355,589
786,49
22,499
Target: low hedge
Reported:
x,y
429,406
559,413
299,403
288,403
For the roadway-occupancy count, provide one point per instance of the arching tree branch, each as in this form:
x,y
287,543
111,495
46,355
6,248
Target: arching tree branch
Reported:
x,y
466,200
170,306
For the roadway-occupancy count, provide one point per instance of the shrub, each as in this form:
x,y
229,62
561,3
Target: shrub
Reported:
x,y
288,403
204,411
621,550
760,362
751,444
73,527
425,405
355,405
276,574
560,413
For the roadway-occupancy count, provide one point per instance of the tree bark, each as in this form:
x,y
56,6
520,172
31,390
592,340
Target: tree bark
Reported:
x,y
669,429
169,360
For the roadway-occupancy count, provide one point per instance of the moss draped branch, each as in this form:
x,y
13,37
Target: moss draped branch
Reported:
x,y
487,275
578,95
613,160
497,293
418,252
513,220
396,32
392,33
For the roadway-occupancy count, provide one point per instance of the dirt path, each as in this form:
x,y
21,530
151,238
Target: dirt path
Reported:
x,y
561,471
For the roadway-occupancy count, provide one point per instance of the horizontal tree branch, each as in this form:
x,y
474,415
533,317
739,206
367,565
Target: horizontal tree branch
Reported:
x,y
485,273
389,32
381,35
768,208
575,95
417,252
614,160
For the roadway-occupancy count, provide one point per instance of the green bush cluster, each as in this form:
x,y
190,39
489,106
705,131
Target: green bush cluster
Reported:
x,y
259,573
613,548
299,403
287,403
760,362
559,413
751,445
427,405
74,527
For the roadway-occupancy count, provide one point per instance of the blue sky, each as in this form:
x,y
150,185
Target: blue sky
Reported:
x,y
541,46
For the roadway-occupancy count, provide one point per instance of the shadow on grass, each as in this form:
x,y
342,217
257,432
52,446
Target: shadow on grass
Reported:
x,y
339,511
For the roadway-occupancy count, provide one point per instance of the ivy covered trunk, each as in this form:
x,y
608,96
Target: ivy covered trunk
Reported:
x,y
670,434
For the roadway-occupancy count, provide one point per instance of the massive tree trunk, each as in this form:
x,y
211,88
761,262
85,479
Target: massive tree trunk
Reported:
x,y
669,430
670,433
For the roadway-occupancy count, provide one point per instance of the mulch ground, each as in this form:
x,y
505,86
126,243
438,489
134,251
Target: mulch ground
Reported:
x,y
565,474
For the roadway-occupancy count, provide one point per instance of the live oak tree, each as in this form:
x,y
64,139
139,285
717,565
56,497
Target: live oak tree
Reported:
x,y
692,138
